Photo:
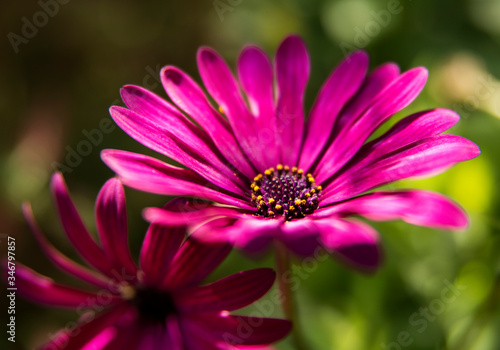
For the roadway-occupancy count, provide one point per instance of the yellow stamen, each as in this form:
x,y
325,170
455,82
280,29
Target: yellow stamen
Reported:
x,y
256,188
298,202
270,213
279,167
271,200
278,207
221,110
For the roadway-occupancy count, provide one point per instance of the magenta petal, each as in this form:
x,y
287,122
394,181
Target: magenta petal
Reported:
x,y
43,290
301,236
158,250
75,229
87,330
242,330
167,117
60,260
189,97
191,153
222,86
407,131
417,207
169,217
194,262
399,94
292,73
111,219
152,175
342,84
352,241
424,158
230,293
250,233
256,77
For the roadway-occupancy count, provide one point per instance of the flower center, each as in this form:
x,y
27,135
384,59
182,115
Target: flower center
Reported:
x,y
154,305
286,192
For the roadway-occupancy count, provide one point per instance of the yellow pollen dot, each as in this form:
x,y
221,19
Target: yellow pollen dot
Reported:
x,y
127,291
256,188
308,195
278,207
309,175
294,169
257,178
303,202
221,110
253,185
298,202
319,188
262,202
292,208
313,191
300,172
271,200
270,213
279,167
267,172
286,168
259,198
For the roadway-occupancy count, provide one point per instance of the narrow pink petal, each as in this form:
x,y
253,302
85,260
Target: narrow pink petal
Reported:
x,y
194,261
167,117
256,77
43,290
59,259
152,175
175,145
399,94
189,97
375,83
424,158
292,73
222,86
301,236
172,217
111,219
342,84
75,229
417,207
102,340
159,248
241,330
88,329
352,241
230,293
407,131
248,233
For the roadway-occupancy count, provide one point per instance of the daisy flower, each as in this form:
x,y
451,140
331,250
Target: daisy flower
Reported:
x,y
272,174
157,304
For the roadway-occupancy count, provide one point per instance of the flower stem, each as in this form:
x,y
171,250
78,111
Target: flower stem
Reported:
x,y
286,293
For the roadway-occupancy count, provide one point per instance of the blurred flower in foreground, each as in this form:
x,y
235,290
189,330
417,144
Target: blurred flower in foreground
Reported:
x,y
275,176
157,305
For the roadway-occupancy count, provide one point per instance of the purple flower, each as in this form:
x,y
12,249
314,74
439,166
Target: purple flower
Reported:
x,y
155,305
275,175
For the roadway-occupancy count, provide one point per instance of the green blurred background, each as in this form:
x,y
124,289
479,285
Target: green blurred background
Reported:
x,y
65,76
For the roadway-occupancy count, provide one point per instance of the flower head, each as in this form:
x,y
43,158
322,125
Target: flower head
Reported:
x,y
157,304
275,175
